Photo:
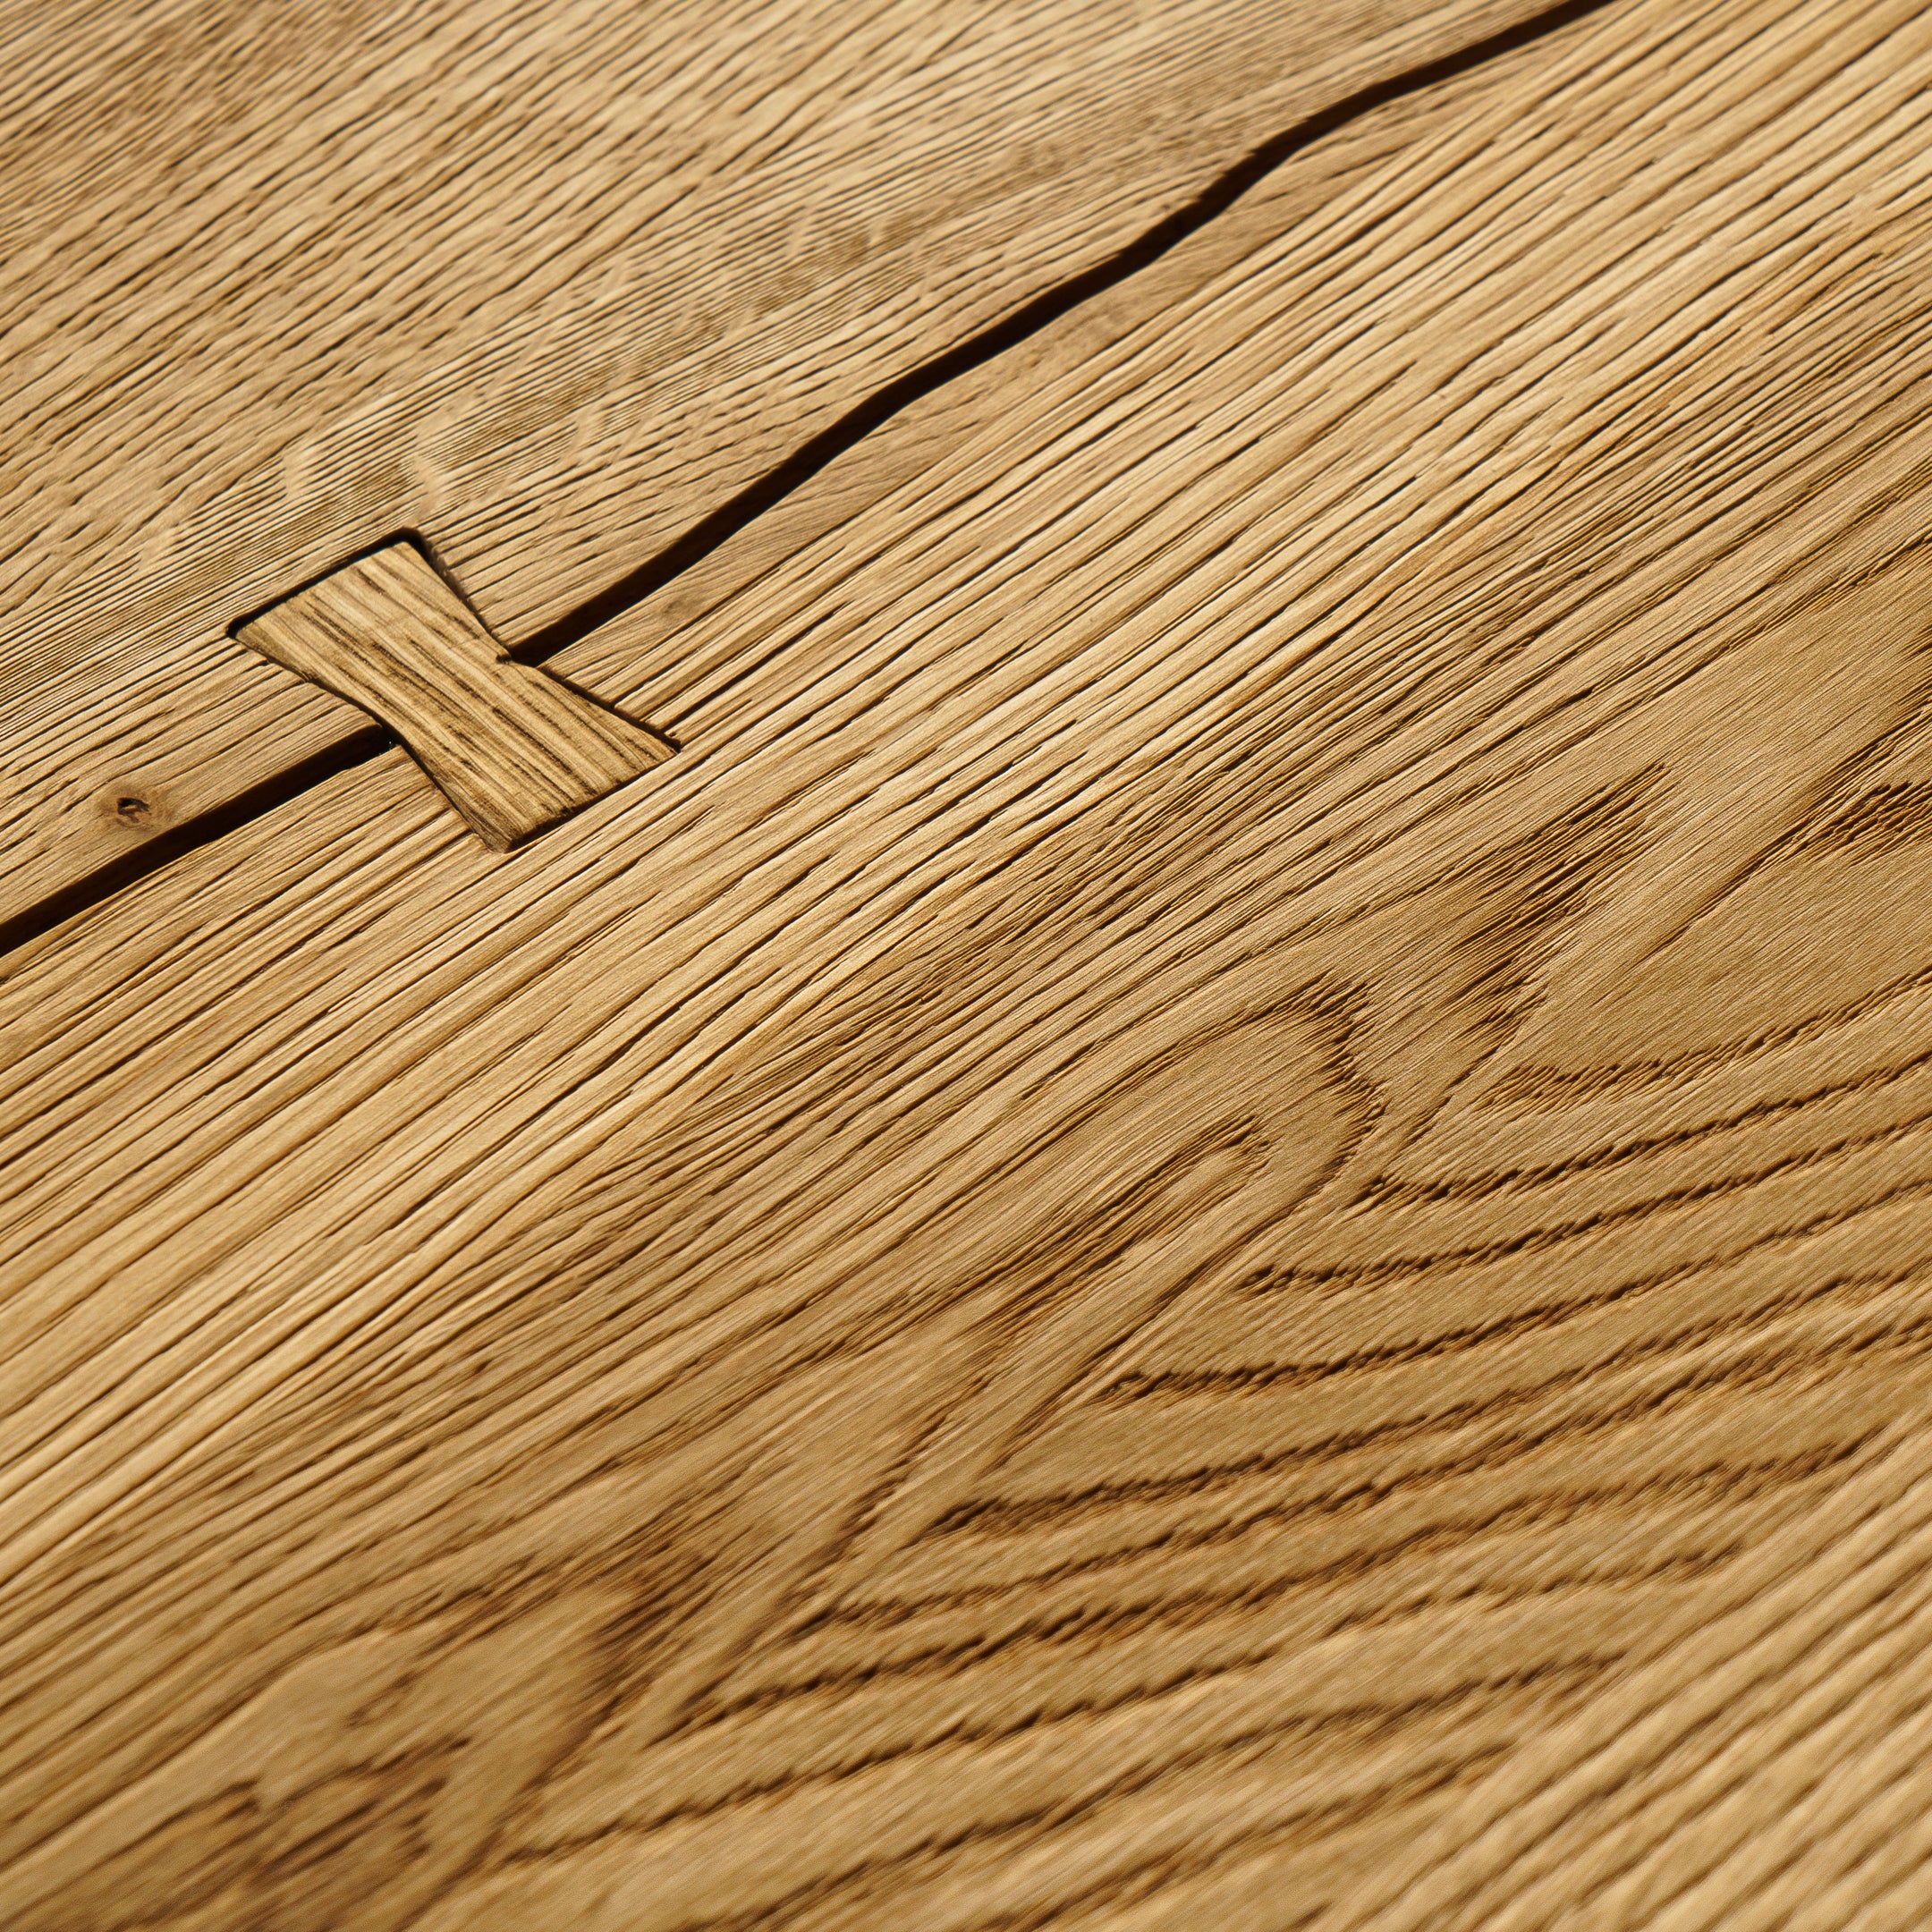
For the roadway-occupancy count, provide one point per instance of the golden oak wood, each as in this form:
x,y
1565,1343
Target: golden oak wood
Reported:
x,y
550,284
512,747
1220,1211
1765,1765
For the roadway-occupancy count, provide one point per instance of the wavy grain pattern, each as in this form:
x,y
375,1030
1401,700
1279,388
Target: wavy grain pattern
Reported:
x,y
1220,1214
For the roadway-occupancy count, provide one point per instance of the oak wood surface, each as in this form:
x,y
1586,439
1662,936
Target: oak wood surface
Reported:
x,y
512,747
1218,1212
549,283
1764,1765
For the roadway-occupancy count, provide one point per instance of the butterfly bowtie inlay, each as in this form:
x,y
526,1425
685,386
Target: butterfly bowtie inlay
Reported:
x,y
512,747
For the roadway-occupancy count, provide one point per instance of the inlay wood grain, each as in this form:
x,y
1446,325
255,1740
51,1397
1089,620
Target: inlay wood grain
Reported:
x,y
512,747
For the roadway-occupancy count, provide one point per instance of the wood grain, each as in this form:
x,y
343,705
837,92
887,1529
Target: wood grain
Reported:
x,y
1767,1766
1219,1212
512,747
549,283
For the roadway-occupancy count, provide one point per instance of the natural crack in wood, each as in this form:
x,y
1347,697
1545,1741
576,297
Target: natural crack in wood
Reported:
x,y
512,747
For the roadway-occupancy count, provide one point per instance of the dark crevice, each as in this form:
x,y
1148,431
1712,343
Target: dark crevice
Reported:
x,y
717,528
883,404
203,829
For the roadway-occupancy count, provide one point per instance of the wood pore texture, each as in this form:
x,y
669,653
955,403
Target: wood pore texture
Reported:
x,y
1220,1211
549,282
512,747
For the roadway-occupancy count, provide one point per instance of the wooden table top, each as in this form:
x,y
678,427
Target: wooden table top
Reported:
x,y
962,968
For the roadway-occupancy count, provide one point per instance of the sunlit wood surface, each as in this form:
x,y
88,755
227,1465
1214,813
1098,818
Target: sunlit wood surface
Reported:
x,y
1218,1212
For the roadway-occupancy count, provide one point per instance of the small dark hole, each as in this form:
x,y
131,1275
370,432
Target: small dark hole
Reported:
x,y
132,809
